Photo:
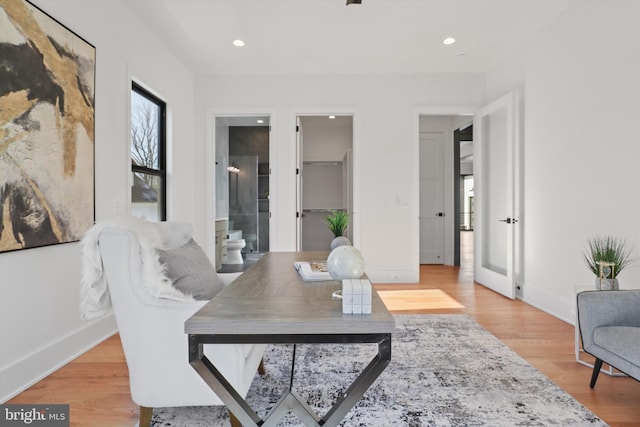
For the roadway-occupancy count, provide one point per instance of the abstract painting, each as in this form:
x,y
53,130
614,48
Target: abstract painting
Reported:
x,y
47,79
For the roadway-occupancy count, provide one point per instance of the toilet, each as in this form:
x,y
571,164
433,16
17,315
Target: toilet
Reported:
x,y
235,243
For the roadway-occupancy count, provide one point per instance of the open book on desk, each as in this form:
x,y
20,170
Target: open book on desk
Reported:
x,y
313,271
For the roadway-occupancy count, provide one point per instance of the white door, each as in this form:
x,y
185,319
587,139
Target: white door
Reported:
x,y
496,181
432,198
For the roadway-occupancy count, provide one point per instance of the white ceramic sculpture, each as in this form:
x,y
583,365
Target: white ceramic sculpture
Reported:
x,y
345,262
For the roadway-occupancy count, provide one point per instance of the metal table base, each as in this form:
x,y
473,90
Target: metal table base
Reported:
x,y
290,400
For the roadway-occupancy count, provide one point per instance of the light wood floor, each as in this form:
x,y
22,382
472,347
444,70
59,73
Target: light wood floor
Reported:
x,y
96,384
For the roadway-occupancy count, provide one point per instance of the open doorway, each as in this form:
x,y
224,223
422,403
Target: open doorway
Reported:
x,y
464,195
325,176
446,164
242,172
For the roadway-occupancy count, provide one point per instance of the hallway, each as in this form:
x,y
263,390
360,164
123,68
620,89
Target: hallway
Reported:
x,y
466,250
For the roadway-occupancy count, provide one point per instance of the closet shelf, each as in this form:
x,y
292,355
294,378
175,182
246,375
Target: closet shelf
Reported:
x,y
322,210
322,162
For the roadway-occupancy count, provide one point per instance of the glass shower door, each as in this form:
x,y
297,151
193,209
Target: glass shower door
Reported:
x,y
243,199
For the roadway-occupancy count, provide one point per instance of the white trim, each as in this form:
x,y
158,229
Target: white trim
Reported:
x,y
32,368
549,303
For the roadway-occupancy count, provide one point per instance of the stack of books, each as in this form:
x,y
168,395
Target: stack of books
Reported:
x,y
313,271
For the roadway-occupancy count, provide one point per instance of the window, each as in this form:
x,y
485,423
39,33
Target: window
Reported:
x,y
148,163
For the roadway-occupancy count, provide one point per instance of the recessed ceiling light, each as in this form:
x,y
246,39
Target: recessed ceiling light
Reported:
x,y
260,121
449,40
332,116
238,43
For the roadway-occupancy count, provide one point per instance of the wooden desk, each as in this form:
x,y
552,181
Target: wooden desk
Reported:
x,y
270,303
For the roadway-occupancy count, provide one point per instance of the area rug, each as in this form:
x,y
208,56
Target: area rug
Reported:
x,y
446,370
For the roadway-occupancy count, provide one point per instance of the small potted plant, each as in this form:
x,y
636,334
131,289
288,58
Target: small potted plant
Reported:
x,y
337,222
609,254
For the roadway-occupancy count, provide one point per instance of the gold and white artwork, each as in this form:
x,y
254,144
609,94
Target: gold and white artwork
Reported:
x,y
47,77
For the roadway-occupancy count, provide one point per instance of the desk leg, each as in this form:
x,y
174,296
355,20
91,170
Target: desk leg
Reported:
x,y
219,384
361,384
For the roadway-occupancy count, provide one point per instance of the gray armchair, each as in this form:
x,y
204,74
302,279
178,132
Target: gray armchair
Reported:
x,y
609,324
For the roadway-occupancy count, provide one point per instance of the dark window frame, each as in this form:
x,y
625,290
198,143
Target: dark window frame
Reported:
x,y
161,172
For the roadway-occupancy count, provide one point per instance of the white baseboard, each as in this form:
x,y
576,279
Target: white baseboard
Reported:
x,y
563,309
22,374
394,276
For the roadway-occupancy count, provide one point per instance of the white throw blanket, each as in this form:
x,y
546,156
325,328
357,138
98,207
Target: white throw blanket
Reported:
x,y
95,300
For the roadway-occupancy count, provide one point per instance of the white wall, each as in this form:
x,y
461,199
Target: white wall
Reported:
x,y
385,149
40,322
581,90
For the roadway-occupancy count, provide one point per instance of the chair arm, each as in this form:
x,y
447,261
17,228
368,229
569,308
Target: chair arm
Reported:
x,y
607,308
157,358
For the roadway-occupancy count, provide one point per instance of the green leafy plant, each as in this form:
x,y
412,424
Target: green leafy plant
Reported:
x,y
607,249
337,222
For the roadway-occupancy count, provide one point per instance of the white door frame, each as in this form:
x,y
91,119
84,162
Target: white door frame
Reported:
x,y
453,110
299,182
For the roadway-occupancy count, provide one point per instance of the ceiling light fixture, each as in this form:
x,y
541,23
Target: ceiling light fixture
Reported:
x,y
260,121
332,116
238,43
354,2
449,40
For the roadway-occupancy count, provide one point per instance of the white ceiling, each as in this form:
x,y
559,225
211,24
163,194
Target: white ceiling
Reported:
x,y
326,36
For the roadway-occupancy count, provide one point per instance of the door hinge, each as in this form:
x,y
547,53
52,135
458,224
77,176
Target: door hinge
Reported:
x,y
297,128
297,214
297,171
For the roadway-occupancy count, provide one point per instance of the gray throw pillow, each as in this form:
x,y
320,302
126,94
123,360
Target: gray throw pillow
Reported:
x,y
190,271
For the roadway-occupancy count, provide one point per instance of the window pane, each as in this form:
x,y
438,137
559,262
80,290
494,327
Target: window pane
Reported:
x,y
146,196
145,119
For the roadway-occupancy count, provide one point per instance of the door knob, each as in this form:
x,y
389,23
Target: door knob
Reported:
x,y
440,214
508,220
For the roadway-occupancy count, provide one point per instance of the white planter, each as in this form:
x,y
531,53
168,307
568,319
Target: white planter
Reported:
x,y
340,241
